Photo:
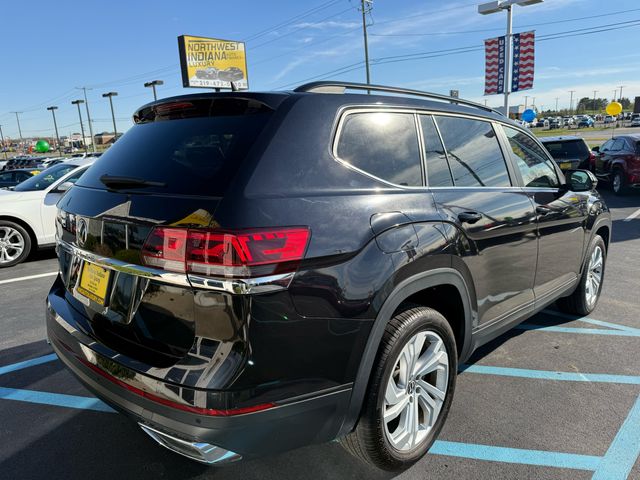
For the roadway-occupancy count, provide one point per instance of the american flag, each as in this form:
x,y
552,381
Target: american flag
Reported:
x,y
523,61
494,49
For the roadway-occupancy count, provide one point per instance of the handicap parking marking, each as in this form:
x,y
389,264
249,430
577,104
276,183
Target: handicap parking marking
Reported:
x,y
611,329
28,363
493,453
55,399
551,375
624,450
593,321
581,331
29,277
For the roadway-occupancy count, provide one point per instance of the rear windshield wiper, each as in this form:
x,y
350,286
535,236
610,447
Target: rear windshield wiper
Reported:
x,y
117,182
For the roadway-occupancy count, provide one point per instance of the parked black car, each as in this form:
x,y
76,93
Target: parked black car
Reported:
x,y
208,73
569,151
618,162
288,268
10,178
231,74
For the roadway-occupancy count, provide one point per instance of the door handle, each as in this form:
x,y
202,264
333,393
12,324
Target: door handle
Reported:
x,y
542,210
469,217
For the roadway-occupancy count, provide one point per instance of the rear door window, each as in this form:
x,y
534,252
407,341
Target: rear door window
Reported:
x,y
438,174
384,144
535,166
473,151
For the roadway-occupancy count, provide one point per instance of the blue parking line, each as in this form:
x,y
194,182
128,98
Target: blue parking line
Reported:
x,y
28,363
593,321
551,375
515,455
57,399
623,451
583,331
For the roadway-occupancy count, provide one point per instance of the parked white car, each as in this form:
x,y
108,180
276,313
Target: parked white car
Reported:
x,y
28,212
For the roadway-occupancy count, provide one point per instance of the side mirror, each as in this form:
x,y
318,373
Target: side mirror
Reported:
x,y
596,149
581,180
63,187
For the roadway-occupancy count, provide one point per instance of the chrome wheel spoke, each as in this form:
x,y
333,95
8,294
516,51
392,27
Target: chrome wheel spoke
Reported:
x,y
394,410
432,362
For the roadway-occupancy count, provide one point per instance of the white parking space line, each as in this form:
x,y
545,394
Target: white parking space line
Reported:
x,y
633,215
30,277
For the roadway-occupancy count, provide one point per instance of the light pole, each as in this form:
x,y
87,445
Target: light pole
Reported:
x,y
594,101
365,6
621,87
495,7
77,103
153,84
19,129
2,138
86,104
557,98
113,116
571,102
526,101
53,109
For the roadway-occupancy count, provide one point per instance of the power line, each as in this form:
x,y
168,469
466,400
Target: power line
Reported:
x,y
291,20
461,32
466,49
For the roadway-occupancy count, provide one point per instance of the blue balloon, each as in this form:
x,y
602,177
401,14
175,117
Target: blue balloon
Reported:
x,y
528,115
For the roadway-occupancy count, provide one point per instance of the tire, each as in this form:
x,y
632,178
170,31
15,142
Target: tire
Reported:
x,y
618,182
580,302
15,244
371,441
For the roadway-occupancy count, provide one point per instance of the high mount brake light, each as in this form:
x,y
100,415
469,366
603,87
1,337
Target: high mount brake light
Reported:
x,y
224,253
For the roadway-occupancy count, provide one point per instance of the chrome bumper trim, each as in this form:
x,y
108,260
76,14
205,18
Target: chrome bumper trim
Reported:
x,y
236,286
198,451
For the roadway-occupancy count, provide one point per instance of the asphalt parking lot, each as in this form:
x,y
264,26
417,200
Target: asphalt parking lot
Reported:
x,y
558,397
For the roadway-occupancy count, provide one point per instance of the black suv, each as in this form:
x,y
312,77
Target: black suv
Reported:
x,y
245,273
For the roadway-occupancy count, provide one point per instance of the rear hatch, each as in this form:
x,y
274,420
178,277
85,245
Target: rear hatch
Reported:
x,y
167,174
569,154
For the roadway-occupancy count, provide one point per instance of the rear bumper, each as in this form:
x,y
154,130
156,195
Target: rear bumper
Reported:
x,y
284,425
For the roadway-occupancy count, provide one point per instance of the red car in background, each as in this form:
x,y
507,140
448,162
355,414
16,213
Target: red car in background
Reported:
x,y
618,162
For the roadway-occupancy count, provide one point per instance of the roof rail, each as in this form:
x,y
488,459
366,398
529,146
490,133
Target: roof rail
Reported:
x,y
330,86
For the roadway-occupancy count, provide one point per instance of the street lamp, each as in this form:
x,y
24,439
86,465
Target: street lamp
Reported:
x,y
53,109
113,117
77,103
495,7
153,84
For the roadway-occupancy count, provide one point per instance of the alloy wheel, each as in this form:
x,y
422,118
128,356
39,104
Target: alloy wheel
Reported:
x,y
415,391
594,276
11,244
617,182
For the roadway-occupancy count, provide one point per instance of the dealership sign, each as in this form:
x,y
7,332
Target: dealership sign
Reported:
x,y
212,63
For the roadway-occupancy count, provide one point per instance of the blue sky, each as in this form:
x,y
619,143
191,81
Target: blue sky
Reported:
x,y
51,47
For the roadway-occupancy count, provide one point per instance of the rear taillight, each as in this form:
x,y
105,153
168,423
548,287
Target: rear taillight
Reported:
x,y
221,253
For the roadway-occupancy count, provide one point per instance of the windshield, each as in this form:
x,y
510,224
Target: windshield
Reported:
x,y
45,178
567,149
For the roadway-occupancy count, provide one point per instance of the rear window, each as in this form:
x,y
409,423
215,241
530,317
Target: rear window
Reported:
x,y
188,156
567,149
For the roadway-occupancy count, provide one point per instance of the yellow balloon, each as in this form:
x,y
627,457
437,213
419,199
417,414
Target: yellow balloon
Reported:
x,y
614,108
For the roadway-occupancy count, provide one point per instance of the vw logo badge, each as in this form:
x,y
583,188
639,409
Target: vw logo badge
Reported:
x,y
82,231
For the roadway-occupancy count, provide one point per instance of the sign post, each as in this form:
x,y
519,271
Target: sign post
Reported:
x,y
213,63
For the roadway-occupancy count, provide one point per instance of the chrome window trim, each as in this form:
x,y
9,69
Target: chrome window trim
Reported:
x,y
235,286
416,111
346,111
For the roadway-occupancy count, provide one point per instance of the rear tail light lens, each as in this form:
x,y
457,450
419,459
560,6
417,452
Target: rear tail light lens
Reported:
x,y
227,254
